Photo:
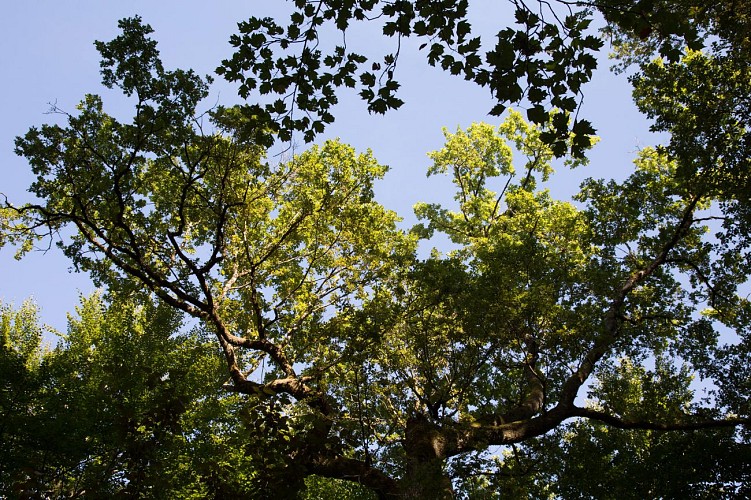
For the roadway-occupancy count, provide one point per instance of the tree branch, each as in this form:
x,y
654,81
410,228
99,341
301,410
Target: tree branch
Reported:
x,y
621,423
612,317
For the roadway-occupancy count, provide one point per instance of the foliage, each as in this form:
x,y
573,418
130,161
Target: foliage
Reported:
x,y
669,465
547,62
358,361
541,57
336,489
20,373
125,404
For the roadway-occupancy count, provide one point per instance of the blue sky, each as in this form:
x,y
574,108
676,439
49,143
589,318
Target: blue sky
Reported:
x,y
48,56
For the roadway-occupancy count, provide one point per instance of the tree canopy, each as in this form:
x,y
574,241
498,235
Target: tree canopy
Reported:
x,y
558,340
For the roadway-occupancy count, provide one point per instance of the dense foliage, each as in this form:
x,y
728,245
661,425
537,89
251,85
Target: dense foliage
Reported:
x,y
110,409
347,356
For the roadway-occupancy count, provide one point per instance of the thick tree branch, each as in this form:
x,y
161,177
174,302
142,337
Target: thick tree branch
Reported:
x,y
356,471
450,438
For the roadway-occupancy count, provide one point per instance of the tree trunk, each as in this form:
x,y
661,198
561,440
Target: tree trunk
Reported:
x,y
425,476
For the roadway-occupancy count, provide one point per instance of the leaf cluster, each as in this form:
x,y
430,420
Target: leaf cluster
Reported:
x,y
546,62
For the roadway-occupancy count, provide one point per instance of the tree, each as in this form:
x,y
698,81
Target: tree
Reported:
x,y
21,380
112,408
363,362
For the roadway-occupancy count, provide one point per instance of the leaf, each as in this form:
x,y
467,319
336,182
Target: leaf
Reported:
x,y
537,114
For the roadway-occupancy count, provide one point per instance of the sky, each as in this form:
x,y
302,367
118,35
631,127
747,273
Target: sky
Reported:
x,y
48,56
